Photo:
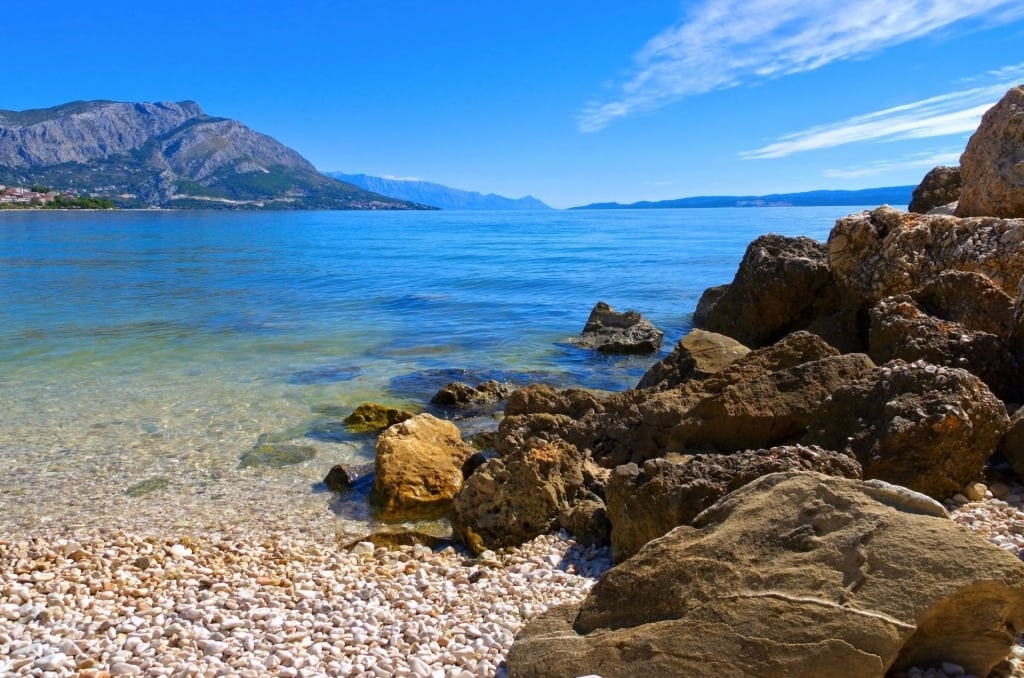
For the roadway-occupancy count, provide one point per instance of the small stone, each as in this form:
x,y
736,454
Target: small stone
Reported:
x,y
124,669
975,491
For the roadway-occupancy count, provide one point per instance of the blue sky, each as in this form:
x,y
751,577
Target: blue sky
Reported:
x,y
572,101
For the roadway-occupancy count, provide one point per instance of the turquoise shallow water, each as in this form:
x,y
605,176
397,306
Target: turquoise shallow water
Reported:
x,y
140,345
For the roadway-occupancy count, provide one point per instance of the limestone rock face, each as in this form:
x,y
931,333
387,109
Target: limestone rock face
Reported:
x,y
697,355
798,575
646,503
608,331
512,499
925,427
939,187
782,284
883,252
901,330
992,165
418,469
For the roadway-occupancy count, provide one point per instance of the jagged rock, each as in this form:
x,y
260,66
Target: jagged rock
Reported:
x,y
1013,443
418,469
939,187
782,284
512,499
925,427
644,504
901,330
795,574
641,424
768,410
372,417
992,165
460,395
587,521
697,355
970,299
342,477
884,252
707,301
608,331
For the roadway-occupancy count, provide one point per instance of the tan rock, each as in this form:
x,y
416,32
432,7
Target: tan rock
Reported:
x,y
798,575
992,165
698,355
879,253
418,469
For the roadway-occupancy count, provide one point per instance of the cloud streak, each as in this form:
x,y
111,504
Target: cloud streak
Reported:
x,y
943,115
726,43
916,161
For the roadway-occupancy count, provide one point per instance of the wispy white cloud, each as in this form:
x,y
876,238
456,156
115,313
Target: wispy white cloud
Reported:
x,y
915,161
953,113
725,43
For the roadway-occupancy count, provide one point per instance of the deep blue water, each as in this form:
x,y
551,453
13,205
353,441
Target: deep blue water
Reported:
x,y
141,345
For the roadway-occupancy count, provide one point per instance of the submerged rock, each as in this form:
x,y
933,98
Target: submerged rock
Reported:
x,y
276,455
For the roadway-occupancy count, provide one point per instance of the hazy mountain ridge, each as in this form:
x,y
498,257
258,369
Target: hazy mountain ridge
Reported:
x,y
166,154
437,195
889,195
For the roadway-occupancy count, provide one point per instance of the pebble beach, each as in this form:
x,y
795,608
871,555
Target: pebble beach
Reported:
x,y
246,601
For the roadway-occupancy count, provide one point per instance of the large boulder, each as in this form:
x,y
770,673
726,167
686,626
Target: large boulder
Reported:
x,y
645,503
925,427
992,165
970,299
795,574
697,355
641,424
901,330
418,469
512,499
939,187
766,411
782,285
883,252
608,331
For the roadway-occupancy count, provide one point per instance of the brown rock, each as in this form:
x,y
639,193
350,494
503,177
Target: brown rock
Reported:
x,y
782,285
608,331
970,299
992,165
460,395
418,469
697,355
587,522
795,574
342,477
644,504
371,417
901,330
1013,443
939,187
512,499
925,427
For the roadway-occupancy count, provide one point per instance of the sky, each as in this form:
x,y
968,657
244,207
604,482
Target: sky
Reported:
x,y
571,101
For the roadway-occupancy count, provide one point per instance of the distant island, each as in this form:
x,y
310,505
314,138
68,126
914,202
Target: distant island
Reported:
x,y
166,154
898,196
436,195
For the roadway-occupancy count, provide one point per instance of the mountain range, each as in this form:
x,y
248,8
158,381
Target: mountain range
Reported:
x,y
166,154
889,195
437,195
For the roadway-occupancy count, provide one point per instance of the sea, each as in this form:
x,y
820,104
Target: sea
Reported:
x,y
144,354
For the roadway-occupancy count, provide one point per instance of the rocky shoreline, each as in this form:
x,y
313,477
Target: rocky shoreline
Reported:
x,y
821,480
